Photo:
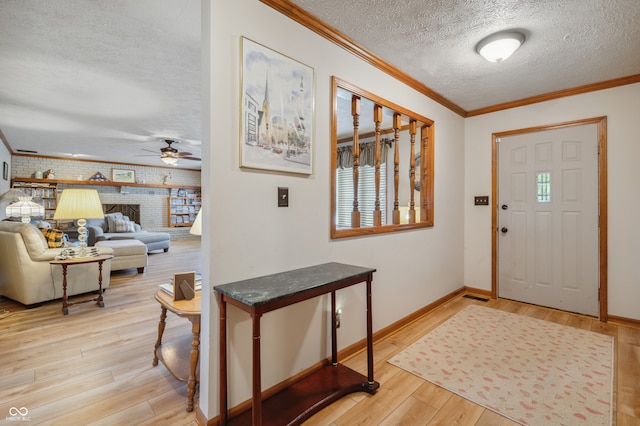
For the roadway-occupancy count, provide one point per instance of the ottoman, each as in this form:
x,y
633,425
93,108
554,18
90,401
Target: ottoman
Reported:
x,y
127,254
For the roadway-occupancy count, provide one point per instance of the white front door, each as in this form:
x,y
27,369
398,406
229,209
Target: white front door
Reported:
x,y
548,248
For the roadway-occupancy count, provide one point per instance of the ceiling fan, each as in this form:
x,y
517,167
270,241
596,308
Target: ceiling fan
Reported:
x,y
170,155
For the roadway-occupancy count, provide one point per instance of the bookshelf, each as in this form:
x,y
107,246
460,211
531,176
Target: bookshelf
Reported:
x,y
183,206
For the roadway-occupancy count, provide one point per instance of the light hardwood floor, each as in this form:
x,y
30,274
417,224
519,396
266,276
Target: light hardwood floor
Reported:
x,y
94,365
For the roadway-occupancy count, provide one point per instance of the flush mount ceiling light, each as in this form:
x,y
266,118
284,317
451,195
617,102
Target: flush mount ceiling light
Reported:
x,y
499,46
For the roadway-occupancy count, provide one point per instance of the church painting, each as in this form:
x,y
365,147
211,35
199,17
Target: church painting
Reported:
x,y
277,111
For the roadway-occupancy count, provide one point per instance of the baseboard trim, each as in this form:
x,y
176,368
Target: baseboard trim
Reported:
x,y
201,419
628,322
478,292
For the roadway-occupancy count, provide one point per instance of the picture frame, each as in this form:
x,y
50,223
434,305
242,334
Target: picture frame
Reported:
x,y
184,286
277,111
124,176
5,170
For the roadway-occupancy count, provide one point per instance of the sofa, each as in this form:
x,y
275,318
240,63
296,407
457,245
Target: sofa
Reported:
x,y
26,275
116,226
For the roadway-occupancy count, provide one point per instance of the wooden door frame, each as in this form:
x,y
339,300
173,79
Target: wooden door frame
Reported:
x,y
602,201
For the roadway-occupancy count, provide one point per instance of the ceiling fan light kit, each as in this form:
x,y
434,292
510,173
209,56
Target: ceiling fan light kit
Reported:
x,y
169,160
170,156
499,46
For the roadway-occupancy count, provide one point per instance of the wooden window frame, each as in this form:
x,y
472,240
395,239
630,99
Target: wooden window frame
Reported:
x,y
424,130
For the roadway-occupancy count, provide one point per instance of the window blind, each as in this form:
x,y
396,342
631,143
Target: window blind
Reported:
x,y
366,195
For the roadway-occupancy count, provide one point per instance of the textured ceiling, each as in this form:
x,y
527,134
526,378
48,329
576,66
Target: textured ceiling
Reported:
x,y
569,43
101,79
108,79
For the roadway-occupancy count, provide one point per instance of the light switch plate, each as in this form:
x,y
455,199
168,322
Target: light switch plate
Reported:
x,y
283,196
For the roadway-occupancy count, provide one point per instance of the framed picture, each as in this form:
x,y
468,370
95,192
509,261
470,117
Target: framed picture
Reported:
x,y
125,176
5,170
277,111
184,285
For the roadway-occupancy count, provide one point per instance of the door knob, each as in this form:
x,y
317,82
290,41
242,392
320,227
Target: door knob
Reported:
x,y
504,207
504,230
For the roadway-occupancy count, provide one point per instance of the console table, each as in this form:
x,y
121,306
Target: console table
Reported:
x,y
301,400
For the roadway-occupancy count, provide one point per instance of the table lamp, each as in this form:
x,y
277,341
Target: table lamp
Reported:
x,y
196,228
80,204
25,208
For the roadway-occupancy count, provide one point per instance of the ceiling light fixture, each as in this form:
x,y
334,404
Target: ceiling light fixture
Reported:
x,y
499,46
169,160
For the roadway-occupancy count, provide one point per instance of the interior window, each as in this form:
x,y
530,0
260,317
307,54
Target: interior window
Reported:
x,y
382,165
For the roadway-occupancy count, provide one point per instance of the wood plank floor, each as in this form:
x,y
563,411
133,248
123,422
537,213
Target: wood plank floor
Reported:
x,y
404,399
93,367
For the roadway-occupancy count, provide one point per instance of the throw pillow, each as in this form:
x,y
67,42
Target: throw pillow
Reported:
x,y
111,220
122,225
54,237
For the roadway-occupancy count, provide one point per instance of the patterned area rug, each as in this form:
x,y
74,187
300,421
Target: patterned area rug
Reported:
x,y
532,371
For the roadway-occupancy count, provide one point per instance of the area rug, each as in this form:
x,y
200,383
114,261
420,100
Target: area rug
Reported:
x,y
531,371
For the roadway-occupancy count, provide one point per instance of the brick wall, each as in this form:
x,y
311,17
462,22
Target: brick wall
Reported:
x,y
153,201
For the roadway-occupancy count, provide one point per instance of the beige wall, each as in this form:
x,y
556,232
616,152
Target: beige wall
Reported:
x,y
250,236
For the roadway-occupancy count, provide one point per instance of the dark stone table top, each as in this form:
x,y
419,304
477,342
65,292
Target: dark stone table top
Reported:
x,y
269,288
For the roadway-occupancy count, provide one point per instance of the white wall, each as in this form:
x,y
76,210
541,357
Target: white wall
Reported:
x,y
251,236
621,106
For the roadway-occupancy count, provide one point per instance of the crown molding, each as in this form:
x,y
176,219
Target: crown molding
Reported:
x,y
623,81
314,24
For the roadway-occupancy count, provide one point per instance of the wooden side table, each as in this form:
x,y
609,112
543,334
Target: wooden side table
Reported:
x,y
78,261
181,355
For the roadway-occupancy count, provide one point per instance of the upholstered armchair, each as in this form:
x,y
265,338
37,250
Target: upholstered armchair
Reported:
x,y
26,275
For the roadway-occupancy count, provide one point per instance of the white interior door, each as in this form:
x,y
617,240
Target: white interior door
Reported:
x,y
548,248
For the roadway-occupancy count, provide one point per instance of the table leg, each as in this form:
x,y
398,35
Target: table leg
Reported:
x,y
99,301
257,384
222,307
369,335
65,303
334,332
161,325
195,354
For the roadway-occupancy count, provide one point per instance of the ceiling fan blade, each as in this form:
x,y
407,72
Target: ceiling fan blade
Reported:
x,y
148,150
184,154
191,158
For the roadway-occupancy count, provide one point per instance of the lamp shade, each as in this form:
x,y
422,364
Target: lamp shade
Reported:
x,y
196,228
10,197
25,209
79,204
